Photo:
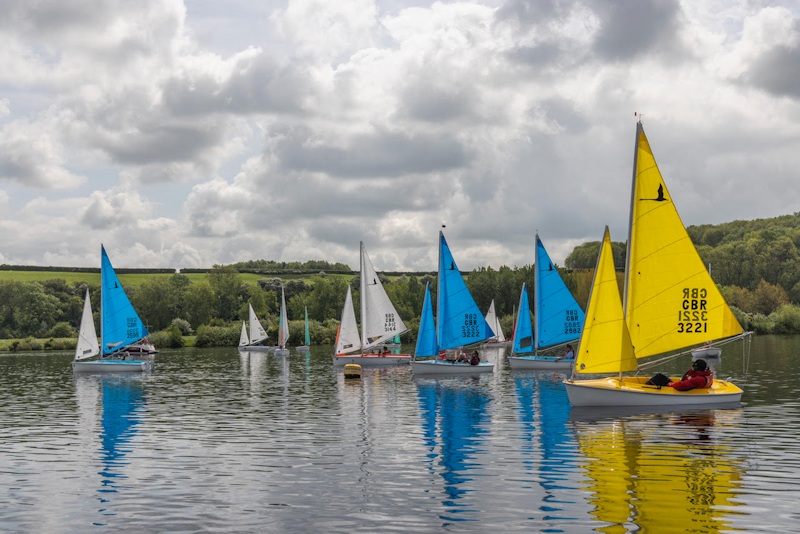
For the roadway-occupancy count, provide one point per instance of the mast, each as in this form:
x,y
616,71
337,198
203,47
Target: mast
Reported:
x,y
363,293
630,219
536,293
439,305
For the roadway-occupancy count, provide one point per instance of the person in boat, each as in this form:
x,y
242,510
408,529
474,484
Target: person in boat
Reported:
x,y
385,350
462,357
699,376
569,354
476,359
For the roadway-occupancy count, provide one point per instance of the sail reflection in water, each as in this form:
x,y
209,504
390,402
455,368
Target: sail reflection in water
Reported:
x,y
455,418
548,449
673,476
122,400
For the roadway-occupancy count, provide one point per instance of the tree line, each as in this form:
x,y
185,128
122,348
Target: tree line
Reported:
x,y
755,264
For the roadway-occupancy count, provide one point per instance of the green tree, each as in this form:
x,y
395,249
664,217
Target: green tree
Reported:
x,y
229,291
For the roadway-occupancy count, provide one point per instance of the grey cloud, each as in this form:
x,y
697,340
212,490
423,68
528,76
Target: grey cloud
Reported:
x,y
380,154
434,104
634,28
777,71
162,142
258,84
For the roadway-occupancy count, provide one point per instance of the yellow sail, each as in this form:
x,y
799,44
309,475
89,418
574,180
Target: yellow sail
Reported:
x,y
671,300
605,345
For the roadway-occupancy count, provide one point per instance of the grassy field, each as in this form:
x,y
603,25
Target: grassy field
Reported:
x,y
93,279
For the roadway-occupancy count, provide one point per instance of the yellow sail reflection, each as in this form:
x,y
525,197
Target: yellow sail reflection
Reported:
x,y
662,475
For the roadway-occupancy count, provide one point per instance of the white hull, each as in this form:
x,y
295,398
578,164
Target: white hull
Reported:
x,y
443,367
282,352
612,392
302,348
256,348
540,363
113,366
372,360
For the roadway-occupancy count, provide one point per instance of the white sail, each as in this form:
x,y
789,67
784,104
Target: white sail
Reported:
x,y
347,339
243,341
257,332
494,323
379,319
88,345
283,327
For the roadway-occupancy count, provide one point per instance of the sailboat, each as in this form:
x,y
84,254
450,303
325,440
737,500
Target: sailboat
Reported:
x,y
123,334
558,318
671,303
499,339
459,323
307,338
283,328
379,323
255,342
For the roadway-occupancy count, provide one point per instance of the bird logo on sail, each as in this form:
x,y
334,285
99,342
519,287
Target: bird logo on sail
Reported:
x,y
660,197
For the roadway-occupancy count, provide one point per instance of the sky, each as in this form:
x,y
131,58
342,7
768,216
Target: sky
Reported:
x,y
198,132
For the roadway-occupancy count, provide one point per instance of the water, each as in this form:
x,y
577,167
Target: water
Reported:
x,y
215,441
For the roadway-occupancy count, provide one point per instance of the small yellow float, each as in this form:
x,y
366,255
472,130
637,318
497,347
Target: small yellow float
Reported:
x,y
352,370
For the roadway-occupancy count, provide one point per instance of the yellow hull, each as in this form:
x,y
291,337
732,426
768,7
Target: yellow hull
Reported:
x,y
632,391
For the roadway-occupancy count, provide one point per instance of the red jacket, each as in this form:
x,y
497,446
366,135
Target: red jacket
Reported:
x,y
694,379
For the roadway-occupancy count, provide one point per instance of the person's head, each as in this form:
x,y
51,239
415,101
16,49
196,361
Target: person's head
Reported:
x,y
569,346
699,365
475,353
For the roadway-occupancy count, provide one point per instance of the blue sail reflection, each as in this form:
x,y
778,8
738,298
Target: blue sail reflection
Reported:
x,y
454,420
548,448
123,401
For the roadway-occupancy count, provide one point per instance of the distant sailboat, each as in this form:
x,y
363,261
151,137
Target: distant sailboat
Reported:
x,y
306,338
122,332
283,328
380,323
459,323
255,342
558,318
499,339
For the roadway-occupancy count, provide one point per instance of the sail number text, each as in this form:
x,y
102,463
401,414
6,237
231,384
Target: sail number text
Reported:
x,y
571,322
693,315
132,327
389,325
470,327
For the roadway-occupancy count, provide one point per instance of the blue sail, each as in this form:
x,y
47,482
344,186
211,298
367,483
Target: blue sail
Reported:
x,y
121,324
460,321
426,338
523,332
559,318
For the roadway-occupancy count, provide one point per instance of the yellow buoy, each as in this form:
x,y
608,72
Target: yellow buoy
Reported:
x,y
352,370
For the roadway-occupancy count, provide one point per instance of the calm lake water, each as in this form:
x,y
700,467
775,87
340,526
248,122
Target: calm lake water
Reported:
x,y
215,441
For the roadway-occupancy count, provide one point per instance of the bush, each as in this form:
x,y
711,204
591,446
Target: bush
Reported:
x,y
168,338
786,320
62,329
183,325
218,336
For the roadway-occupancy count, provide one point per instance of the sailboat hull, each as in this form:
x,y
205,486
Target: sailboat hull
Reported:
x,y
372,360
540,363
282,352
256,348
632,391
444,367
113,366
302,348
